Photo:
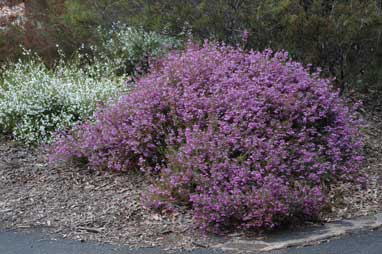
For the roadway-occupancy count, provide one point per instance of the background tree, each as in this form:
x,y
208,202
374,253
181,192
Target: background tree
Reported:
x,y
341,36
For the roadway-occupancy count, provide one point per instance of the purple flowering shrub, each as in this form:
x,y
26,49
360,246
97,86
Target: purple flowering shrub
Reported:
x,y
244,139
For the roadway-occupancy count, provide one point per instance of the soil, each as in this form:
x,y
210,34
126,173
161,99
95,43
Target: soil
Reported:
x,y
83,204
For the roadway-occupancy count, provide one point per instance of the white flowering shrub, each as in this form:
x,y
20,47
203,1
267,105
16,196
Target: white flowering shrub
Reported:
x,y
36,101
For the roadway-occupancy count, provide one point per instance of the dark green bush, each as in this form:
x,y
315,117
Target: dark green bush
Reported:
x,y
341,36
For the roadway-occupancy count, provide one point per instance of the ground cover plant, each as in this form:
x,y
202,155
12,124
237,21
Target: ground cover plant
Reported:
x,y
36,101
245,139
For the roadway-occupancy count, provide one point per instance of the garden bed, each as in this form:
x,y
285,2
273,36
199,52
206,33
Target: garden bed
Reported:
x,y
83,204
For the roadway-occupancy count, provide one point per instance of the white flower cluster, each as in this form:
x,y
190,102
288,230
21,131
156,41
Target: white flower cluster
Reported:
x,y
36,101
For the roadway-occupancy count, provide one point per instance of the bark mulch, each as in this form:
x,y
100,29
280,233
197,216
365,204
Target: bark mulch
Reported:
x,y
83,204
349,200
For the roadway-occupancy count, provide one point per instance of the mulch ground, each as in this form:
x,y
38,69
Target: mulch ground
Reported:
x,y
83,204
349,200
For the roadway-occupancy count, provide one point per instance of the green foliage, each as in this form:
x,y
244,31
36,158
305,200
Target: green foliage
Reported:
x,y
341,36
36,101
130,49
10,40
344,37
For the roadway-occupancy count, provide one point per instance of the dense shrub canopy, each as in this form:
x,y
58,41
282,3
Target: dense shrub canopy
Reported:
x,y
246,139
341,36
130,49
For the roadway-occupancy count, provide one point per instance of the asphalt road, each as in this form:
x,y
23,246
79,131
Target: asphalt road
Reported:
x,y
37,243
359,243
